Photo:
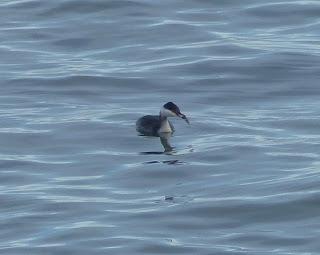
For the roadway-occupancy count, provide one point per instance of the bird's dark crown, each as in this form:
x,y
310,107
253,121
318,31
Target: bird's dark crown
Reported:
x,y
172,107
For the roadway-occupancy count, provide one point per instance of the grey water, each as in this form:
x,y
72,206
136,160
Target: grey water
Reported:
x,y
76,178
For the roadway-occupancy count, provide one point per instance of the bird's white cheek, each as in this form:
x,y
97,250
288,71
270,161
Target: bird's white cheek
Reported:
x,y
167,113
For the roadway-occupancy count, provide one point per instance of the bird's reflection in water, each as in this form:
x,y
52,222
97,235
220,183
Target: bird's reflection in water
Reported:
x,y
169,198
165,141
168,149
168,162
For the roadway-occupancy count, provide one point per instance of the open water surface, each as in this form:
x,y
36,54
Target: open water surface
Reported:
x,y
76,178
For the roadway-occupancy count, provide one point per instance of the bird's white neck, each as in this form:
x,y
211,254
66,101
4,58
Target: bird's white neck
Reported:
x,y
164,126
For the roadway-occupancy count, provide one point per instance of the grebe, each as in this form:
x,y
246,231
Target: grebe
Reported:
x,y
154,125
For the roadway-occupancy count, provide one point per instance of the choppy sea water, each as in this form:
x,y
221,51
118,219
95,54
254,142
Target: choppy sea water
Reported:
x,y
76,178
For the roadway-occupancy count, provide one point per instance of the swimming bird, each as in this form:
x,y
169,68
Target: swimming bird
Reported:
x,y
155,125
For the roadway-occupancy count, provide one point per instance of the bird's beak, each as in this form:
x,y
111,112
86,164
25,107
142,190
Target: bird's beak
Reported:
x,y
182,116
